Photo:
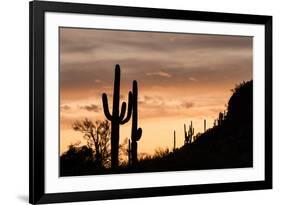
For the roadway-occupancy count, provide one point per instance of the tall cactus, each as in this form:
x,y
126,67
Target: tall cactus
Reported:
x,y
136,132
129,153
116,117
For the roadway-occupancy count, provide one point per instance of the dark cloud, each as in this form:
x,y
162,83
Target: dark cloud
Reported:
x,y
81,40
90,108
70,47
148,97
88,58
65,107
187,105
151,100
82,76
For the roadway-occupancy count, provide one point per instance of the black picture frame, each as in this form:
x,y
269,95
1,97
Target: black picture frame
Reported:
x,y
37,194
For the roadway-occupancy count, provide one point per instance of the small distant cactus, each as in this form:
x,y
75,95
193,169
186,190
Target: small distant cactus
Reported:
x,y
205,125
190,133
116,117
215,123
221,118
185,134
136,132
174,140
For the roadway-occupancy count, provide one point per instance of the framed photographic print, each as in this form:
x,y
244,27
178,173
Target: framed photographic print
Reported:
x,y
140,102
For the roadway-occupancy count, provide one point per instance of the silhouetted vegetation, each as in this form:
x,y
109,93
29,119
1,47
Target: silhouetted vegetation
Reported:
x,y
93,158
228,144
77,161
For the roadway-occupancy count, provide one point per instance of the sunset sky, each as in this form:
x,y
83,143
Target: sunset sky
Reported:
x,y
181,77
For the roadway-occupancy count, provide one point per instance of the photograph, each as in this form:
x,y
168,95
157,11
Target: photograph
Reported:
x,y
148,101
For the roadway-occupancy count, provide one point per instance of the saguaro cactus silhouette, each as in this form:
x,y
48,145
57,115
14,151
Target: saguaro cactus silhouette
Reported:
x,y
190,133
204,125
215,123
116,117
136,132
185,135
220,120
129,152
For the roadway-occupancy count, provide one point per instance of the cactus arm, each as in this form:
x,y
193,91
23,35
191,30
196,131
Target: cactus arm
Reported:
x,y
130,106
123,111
105,107
138,134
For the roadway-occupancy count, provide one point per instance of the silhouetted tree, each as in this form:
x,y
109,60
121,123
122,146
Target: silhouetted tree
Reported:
x,y
116,117
98,136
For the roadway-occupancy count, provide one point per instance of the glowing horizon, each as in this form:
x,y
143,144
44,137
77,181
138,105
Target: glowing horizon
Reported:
x,y
181,78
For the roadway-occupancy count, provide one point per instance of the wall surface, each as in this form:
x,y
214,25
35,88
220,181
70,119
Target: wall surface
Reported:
x,y
14,100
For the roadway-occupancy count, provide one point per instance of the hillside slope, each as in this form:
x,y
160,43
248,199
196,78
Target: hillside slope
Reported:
x,y
227,145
